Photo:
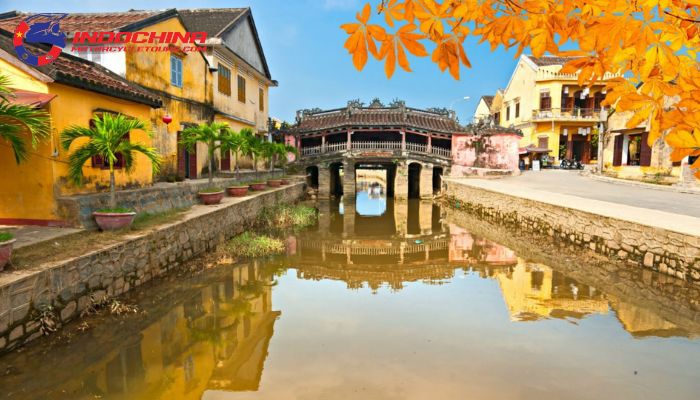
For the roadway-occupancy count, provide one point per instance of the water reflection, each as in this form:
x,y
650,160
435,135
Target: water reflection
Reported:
x,y
426,298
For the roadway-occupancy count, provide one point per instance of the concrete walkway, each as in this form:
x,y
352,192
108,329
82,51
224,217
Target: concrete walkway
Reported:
x,y
29,235
575,184
599,200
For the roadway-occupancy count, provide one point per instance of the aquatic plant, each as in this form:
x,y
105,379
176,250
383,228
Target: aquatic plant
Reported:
x,y
286,216
250,244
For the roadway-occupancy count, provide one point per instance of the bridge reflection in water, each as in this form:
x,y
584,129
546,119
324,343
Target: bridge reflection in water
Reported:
x,y
210,335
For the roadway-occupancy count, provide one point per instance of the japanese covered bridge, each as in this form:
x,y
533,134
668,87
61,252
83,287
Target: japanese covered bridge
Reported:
x,y
415,147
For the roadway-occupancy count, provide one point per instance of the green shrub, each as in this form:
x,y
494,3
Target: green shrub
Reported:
x,y
115,210
253,245
211,190
5,236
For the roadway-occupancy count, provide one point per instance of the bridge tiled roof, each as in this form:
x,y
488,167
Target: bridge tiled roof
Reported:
x,y
377,117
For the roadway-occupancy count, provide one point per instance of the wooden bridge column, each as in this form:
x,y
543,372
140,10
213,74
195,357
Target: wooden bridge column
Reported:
x,y
349,179
403,141
349,143
324,181
426,181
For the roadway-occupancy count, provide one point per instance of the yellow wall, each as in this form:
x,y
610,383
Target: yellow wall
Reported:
x,y
229,104
152,70
28,190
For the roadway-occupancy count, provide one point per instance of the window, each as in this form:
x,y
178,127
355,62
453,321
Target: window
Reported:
x,y
224,80
497,118
543,142
241,88
176,71
545,100
508,113
261,99
517,108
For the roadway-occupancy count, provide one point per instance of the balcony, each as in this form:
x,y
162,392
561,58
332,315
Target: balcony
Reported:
x,y
393,146
567,114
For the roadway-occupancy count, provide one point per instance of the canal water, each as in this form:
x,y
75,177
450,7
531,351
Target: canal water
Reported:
x,y
381,300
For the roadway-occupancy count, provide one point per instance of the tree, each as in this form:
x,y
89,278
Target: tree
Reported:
x,y
284,150
253,146
210,134
106,138
651,46
236,143
17,121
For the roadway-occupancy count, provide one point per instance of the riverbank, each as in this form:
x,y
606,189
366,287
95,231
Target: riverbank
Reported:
x,y
63,289
648,238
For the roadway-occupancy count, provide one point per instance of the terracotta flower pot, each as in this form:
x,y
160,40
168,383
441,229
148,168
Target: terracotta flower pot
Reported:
x,y
108,221
6,252
274,182
257,186
237,191
211,198
284,182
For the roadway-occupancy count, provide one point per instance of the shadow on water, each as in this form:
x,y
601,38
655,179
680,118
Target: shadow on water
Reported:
x,y
422,293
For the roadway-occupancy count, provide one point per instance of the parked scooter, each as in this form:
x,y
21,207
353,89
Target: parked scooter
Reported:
x,y
570,164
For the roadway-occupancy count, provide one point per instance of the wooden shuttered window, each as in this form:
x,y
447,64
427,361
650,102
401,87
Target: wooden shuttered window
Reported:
x,y
617,152
645,152
241,89
545,101
261,99
224,83
543,142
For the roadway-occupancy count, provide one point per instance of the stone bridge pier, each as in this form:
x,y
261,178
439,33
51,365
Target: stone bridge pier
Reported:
x,y
405,179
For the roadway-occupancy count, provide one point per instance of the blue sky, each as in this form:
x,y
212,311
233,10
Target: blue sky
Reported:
x,y
304,48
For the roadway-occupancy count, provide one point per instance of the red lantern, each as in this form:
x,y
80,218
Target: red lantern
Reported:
x,y
167,119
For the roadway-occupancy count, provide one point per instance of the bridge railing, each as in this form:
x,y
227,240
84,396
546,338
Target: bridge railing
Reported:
x,y
374,145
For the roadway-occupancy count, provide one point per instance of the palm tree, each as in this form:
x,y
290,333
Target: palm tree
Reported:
x,y
210,134
237,143
269,151
284,150
254,147
17,120
107,139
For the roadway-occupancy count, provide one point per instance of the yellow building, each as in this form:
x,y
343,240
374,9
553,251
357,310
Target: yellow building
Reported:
x,y
72,90
241,78
628,155
226,79
556,115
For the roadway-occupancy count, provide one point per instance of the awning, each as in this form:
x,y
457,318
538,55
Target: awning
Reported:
x,y
533,150
28,98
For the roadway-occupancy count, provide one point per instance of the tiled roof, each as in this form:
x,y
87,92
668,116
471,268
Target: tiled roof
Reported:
x,y
210,20
488,100
84,74
375,117
109,21
550,60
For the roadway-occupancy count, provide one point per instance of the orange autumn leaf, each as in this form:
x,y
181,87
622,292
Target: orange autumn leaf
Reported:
x,y
654,44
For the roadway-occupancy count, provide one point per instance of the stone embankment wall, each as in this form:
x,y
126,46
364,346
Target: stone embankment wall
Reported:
x,y
77,210
69,287
668,252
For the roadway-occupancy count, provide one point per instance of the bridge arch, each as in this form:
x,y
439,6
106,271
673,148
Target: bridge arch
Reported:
x,y
312,176
337,177
414,174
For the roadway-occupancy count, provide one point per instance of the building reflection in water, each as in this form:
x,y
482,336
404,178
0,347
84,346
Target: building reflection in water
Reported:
x,y
411,242
215,336
216,339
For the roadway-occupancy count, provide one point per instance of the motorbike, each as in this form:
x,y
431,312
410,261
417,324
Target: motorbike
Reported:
x,y
570,164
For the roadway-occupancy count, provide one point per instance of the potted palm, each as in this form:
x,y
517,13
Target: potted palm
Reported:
x,y
6,242
107,139
236,143
255,148
285,150
211,135
269,151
